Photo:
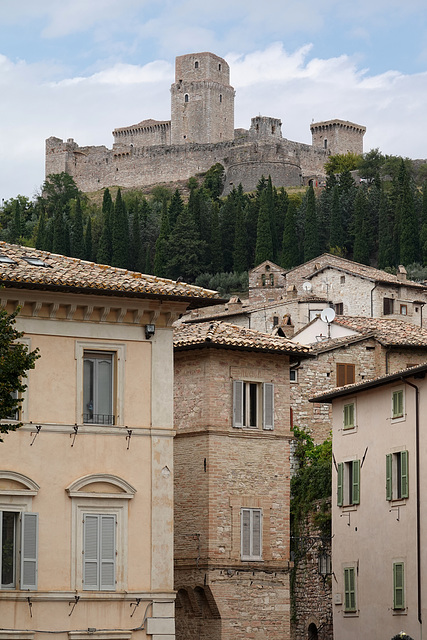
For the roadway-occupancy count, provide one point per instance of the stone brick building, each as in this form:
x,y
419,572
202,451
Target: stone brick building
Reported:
x,y
232,475
201,133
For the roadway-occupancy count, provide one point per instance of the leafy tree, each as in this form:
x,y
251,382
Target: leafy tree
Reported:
x,y
214,180
57,191
370,165
341,163
15,361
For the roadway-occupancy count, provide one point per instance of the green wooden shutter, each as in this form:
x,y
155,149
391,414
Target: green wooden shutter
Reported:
x,y
349,589
404,480
388,476
238,390
340,485
91,552
29,545
268,406
355,489
349,416
397,404
398,585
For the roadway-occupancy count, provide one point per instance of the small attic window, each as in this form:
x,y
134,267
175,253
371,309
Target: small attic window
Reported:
x,y
6,260
35,262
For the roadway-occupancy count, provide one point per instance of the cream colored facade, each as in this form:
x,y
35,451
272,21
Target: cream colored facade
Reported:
x,y
379,522
80,472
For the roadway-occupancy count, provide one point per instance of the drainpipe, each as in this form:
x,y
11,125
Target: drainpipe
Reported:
x,y
372,299
417,464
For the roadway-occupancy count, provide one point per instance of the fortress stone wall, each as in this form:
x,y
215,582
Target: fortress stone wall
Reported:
x,y
201,133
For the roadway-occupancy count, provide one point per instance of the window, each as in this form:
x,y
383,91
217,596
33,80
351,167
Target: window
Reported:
x,y
398,585
349,589
275,321
345,374
339,309
272,279
186,98
219,67
342,279
349,411
397,404
387,306
196,65
348,487
293,375
220,97
253,404
19,543
397,485
251,534
325,143
403,309
98,388
99,552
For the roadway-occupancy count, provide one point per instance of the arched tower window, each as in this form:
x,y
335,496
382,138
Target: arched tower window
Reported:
x,y
186,98
219,67
220,97
196,65
325,143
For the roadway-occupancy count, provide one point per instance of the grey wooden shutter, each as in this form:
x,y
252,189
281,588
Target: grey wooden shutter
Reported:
x,y
90,551
29,546
355,489
388,476
398,586
108,552
238,390
340,486
256,533
268,406
404,484
245,524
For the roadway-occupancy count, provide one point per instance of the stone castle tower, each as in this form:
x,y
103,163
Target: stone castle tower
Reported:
x,y
202,100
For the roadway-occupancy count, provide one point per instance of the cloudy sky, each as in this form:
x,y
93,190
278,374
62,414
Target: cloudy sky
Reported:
x,y
79,68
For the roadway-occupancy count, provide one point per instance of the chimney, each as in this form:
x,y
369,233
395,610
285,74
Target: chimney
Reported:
x,y
401,273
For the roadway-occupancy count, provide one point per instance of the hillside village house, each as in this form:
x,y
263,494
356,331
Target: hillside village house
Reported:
x,y
86,484
288,300
357,350
379,506
232,482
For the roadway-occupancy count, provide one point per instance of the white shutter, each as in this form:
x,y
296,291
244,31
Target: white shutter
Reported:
x,y
90,552
238,390
108,553
29,545
268,406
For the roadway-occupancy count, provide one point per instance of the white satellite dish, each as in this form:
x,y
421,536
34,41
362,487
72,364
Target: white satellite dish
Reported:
x,y
307,286
327,315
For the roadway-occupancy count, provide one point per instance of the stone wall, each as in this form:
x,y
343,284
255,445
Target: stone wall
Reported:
x,y
146,133
338,136
218,470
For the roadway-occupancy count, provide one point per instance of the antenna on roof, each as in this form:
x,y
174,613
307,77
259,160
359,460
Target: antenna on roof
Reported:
x,y
307,286
328,316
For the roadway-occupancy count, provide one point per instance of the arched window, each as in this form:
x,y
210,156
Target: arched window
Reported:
x,y
219,67
312,632
186,98
325,143
196,65
220,97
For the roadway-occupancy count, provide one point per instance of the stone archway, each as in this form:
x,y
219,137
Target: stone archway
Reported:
x,y
312,632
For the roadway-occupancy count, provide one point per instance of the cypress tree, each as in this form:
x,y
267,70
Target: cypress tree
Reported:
x,y
88,248
59,232
105,247
336,230
406,214
311,235
361,248
423,235
175,208
264,241
227,228
135,262
240,242
41,231
161,254
385,233
290,254
120,230
216,250
78,239
187,248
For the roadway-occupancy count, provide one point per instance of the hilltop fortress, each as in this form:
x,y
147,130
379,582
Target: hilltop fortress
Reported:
x,y
201,133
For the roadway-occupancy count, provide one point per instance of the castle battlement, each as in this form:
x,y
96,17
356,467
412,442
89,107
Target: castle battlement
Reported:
x,y
200,134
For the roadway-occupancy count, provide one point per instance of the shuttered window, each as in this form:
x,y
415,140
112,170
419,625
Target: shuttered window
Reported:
x,y
253,404
348,483
398,585
345,374
99,552
19,544
349,589
349,416
397,476
397,404
98,388
251,534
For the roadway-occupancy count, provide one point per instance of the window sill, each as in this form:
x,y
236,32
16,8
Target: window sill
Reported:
x,y
351,614
348,430
399,612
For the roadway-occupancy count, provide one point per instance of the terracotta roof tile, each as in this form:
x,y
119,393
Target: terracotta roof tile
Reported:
x,y
57,271
388,331
230,336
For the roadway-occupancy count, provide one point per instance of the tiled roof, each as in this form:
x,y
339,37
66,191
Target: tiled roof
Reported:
x,y
350,389
376,275
225,335
387,331
71,274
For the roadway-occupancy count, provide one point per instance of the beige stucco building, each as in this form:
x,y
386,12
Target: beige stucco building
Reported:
x,y
86,483
379,506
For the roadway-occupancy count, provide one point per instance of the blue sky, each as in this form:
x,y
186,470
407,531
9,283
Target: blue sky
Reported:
x,y
79,68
